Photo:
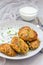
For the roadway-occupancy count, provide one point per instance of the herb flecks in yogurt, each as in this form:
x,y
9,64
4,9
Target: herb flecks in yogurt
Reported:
x,y
2,40
7,34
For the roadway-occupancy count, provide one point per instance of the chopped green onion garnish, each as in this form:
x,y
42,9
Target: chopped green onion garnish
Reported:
x,y
2,40
28,42
9,32
15,33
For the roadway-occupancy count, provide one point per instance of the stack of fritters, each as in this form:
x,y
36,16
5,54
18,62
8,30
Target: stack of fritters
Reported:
x,y
30,36
27,39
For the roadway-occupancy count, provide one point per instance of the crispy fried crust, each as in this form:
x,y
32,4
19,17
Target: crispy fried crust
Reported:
x,y
27,34
6,49
34,44
19,45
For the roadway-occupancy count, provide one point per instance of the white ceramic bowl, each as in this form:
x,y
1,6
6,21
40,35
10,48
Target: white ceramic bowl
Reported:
x,y
28,13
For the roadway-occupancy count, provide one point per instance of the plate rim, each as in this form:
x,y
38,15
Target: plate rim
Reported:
x,y
22,57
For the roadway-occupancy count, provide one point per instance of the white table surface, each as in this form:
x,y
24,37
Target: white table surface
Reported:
x,y
35,60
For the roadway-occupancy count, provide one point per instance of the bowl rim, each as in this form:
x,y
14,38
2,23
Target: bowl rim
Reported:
x,y
20,11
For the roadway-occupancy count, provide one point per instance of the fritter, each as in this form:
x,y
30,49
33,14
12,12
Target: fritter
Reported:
x,y
19,45
34,44
6,49
27,34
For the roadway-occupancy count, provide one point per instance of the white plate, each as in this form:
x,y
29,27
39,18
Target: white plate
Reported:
x,y
16,25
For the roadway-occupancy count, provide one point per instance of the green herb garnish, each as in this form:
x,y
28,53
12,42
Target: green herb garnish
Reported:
x,y
28,42
2,40
9,32
15,33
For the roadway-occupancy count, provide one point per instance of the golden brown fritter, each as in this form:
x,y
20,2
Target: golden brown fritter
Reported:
x,y
15,44
27,34
32,35
6,49
34,44
19,45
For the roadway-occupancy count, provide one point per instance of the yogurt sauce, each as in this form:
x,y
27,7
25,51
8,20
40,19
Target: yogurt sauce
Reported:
x,y
6,35
28,10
